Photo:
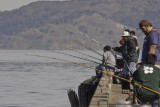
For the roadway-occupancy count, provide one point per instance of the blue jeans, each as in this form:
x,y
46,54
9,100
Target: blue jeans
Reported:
x,y
98,73
100,67
129,68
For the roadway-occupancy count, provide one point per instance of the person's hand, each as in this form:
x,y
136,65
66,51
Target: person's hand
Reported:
x,y
128,56
113,47
132,82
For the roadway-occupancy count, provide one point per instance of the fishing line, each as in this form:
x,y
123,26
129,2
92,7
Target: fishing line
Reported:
x,y
95,69
85,58
79,43
87,55
89,48
98,53
77,57
88,59
100,44
94,40
111,40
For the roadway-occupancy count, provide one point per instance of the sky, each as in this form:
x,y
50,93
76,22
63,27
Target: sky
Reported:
x,y
6,5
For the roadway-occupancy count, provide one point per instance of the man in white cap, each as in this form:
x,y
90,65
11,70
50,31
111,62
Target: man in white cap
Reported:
x,y
130,57
129,53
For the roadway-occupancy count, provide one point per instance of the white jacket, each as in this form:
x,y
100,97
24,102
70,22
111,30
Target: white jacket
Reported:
x,y
108,59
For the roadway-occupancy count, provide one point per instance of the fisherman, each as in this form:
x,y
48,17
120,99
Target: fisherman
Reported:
x,y
147,75
107,62
128,50
151,43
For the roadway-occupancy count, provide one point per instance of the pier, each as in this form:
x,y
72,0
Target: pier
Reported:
x,y
103,94
107,94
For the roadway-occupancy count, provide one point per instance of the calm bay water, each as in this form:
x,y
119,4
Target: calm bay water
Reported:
x,y
30,81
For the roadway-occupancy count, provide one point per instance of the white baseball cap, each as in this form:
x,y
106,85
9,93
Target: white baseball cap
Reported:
x,y
125,33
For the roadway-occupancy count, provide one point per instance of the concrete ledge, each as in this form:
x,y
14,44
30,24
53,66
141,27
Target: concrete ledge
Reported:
x,y
106,93
101,95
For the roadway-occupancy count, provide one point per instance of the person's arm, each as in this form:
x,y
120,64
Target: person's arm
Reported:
x,y
152,49
131,47
105,56
153,42
103,60
136,42
117,49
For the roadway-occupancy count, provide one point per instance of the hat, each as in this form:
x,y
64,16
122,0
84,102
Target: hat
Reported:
x,y
107,47
144,23
125,33
132,32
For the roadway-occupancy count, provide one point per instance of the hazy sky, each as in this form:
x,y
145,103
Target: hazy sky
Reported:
x,y
13,4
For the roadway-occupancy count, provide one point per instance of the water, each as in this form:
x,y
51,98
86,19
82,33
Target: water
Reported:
x,y
30,81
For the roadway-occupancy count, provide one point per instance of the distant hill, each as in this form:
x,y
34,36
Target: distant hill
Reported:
x,y
54,24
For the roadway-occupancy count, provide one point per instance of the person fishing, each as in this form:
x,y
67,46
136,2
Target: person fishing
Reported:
x,y
147,75
107,62
129,53
132,33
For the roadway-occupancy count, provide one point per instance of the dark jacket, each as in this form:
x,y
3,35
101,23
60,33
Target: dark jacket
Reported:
x,y
148,76
128,50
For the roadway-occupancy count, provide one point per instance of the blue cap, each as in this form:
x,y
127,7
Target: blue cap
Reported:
x,y
107,47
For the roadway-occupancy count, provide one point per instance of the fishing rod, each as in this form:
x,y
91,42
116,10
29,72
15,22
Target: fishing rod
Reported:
x,y
77,42
100,44
111,40
115,44
114,52
94,40
87,55
110,74
96,58
76,57
89,48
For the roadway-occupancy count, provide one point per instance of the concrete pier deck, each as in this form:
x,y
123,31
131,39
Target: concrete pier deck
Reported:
x,y
107,94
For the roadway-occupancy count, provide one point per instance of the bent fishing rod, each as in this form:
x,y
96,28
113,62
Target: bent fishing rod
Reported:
x,y
76,57
64,60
